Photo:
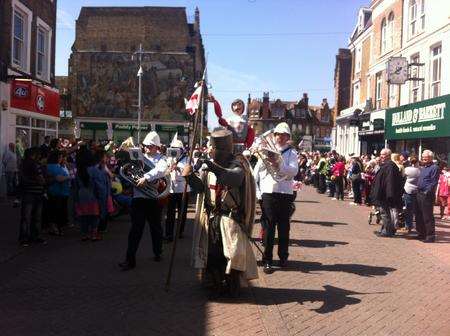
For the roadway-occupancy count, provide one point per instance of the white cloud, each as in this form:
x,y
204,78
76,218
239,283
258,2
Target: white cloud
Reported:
x,y
64,20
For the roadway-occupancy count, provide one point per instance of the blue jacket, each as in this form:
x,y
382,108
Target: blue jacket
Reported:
x,y
58,188
102,183
428,179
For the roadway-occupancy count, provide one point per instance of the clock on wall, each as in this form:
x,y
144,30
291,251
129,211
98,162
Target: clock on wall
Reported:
x,y
397,70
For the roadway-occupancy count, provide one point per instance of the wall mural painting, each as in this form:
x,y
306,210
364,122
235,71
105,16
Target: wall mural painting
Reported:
x,y
109,86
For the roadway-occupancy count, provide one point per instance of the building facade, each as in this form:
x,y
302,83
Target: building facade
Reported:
x,y
103,66
29,99
311,126
417,32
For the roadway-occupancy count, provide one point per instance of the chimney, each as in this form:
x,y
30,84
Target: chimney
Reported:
x,y
265,105
324,101
249,99
197,20
305,101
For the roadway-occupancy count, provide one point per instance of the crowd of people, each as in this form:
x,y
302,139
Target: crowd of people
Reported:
x,y
401,188
60,181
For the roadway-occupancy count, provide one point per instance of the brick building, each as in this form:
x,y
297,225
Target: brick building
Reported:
x,y
29,99
313,124
102,72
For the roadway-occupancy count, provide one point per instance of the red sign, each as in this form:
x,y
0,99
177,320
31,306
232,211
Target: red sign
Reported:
x,y
28,96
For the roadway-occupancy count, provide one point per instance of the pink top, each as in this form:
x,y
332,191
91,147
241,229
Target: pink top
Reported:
x,y
443,185
338,169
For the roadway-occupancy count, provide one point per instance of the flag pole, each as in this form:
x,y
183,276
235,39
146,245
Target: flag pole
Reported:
x,y
198,115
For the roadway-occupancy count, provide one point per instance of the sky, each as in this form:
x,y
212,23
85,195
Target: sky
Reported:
x,y
284,47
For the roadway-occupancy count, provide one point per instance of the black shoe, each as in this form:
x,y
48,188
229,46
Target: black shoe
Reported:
x,y
40,241
126,265
429,239
157,258
382,234
282,263
268,268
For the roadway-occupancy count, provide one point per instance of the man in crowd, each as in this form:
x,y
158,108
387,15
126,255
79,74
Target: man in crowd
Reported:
x,y
428,180
277,198
9,161
145,209
387,193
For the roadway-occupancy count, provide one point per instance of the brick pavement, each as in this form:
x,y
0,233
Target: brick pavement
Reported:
x,y
341,280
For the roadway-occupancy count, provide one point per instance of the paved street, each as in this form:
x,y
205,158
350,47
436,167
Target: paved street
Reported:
x,y
341,280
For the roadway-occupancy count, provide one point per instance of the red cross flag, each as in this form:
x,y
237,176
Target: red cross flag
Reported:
x,y
194,101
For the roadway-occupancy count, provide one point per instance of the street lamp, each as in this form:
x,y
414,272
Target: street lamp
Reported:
x,y
139,74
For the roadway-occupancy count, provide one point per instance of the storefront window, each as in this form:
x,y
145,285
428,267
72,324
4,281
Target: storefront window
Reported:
x,y
23,121
51,125
39,123
37,137
22,139
100,135
87,134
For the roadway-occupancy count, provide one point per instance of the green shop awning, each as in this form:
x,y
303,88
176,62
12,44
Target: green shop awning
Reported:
x,y
170,128
93,125
425,119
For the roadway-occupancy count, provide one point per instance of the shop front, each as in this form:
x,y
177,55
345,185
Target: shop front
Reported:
x,y
371,132
118,131
33,113
419,126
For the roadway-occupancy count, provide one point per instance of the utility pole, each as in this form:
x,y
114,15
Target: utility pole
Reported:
x,y
139,75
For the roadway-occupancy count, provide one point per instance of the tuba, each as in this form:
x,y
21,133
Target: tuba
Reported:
x,y
267,151
136,168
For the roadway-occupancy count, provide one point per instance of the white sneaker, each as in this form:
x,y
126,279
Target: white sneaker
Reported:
x,y
352,203
334,199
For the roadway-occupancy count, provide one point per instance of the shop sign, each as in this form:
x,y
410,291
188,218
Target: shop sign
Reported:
x,y
25,95
426,119
170,128
131,127
93,126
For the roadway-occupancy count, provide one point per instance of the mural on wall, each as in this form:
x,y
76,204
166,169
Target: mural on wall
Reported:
x,y
108,86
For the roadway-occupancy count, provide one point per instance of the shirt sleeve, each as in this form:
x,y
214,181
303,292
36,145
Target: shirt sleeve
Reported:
x,y
158,172
257,179
289,167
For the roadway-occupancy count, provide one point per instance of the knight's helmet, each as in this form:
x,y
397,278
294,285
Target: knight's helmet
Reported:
x,y
222,140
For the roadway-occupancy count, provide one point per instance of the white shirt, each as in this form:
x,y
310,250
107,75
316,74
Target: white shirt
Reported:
x,y
177,181
10,161
288,168
160,170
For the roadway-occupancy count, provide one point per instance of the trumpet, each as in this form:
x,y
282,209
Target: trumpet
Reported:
x,y
267,151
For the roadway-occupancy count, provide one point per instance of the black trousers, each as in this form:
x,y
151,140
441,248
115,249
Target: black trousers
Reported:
x,y
356,187
58,210
277,209
142,210
322,184
339,182
425,224
175,205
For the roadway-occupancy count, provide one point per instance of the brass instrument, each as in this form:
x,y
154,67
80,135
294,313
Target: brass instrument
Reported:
x,y
135,170
267,151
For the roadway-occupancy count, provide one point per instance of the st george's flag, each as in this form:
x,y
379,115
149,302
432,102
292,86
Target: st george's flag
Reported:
x,y
193,103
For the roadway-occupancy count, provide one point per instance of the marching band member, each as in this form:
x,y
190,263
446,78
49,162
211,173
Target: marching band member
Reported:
x,y
144,208
277,198
243,133
177,161
224,216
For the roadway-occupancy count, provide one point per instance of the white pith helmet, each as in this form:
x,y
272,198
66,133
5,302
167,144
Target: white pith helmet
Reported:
x,y
282,128
176,144
152,138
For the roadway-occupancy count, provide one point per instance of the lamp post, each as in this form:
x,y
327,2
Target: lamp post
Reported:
x,y
139,74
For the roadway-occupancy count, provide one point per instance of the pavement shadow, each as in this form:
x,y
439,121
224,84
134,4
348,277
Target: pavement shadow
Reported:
x,y
332,298
305,201
321,223
357,269
315,243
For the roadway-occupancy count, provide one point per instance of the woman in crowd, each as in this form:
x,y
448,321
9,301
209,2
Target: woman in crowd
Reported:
x,y
87,209
412,173
338,171
443,189
102,179
368,177
356,170
58,191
